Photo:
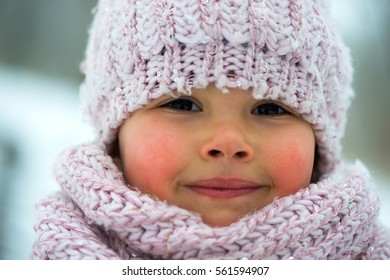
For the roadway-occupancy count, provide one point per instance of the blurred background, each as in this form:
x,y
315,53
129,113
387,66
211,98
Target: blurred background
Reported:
x,y
42,43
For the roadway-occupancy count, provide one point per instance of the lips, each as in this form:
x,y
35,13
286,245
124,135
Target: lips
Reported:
x,y
223,188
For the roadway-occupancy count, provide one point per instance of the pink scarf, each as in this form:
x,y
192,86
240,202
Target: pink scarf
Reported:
x,y
98,216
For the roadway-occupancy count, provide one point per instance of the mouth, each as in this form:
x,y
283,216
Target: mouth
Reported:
x,y
224,188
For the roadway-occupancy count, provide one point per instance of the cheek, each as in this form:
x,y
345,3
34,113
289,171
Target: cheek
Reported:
x,y
292,166
151,158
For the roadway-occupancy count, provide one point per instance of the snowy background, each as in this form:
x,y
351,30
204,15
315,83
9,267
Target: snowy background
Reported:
x,y
39,106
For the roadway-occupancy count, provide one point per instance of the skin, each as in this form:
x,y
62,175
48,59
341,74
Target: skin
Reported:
x,y
164,148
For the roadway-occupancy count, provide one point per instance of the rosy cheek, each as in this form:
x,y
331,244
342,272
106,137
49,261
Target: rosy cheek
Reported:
x,y
292,167
153,160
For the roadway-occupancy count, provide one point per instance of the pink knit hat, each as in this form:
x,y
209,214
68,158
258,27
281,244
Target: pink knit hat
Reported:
x,y
282,50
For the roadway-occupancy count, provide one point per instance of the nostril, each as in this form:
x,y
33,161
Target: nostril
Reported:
x,y
214,153
241,154
217,153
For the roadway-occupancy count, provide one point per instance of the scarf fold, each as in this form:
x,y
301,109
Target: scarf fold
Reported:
x,y
98,216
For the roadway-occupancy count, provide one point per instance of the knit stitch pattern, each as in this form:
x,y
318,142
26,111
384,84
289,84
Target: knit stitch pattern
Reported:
x,y
282,50
98,216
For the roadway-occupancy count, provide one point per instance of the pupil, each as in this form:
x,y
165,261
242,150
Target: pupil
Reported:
x,y
269,109
182,105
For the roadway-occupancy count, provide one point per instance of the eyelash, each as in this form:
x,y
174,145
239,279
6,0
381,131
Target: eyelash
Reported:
x,y
186,105
269,109
182,104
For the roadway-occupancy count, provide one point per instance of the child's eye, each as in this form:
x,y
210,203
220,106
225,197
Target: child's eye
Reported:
x,y
182,105
269,109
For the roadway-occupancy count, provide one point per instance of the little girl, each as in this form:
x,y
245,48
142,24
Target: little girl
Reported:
x,y
218,137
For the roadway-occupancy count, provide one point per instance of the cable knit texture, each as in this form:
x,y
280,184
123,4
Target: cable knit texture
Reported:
x,y
283,50
97,216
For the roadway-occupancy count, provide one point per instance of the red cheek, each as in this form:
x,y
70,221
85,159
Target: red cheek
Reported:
x,y
156,157
292,167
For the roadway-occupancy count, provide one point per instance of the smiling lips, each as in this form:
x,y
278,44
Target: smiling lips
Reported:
x,y
223,188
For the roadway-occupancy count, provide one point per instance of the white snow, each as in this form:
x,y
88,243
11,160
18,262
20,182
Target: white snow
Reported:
x,y
40,117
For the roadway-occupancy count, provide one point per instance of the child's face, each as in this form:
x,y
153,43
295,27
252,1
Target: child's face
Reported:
x,y
220,155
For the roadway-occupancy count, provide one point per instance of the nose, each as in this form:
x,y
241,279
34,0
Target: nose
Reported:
x,y
227,142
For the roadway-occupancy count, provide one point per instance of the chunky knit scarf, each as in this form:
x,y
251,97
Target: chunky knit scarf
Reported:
x,y
98,216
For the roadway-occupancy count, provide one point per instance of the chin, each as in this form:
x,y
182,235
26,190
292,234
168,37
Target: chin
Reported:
x,y
220,220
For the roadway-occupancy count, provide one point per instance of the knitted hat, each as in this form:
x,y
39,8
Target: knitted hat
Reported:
x,y
282,50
